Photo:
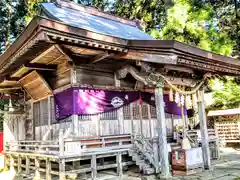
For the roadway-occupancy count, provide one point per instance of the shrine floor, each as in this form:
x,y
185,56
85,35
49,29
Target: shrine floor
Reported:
x,y
227,168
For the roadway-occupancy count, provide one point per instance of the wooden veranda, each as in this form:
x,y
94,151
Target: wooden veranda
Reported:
x,y
76,49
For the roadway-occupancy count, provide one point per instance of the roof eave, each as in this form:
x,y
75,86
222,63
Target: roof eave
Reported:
x,y
22,39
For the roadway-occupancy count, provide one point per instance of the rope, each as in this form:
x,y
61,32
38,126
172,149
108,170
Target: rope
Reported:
x,y
179,90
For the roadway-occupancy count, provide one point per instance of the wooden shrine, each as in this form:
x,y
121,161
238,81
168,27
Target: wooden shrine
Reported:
x,y
92,86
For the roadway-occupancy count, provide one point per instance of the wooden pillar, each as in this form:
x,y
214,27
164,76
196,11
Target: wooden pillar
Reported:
x,y
141,120
62,175
204,131
217,140
75,125
149,121
48,170
155,155
119,165
120,110
50,117
11,163
94,167
132,123
19,163
37,168
27,165
162,134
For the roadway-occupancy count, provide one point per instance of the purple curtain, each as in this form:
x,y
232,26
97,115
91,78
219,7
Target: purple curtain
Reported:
x,y
64,104
91,101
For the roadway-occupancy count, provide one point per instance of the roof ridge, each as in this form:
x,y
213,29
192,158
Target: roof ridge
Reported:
x,y
94,11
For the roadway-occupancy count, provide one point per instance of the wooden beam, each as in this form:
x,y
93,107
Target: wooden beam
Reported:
x,y
20,72
179,68
100,57
8,78
63,52
148,57
181,81
39,66
43,54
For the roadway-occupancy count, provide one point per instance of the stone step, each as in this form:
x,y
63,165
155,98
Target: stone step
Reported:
x,y
148,171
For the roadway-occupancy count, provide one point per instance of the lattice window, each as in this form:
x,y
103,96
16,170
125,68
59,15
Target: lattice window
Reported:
x,y
85,117
153,112
44,112
144,107
36,114
135,111
127,112
111,115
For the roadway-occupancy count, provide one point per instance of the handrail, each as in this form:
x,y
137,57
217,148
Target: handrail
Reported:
x,y
61,144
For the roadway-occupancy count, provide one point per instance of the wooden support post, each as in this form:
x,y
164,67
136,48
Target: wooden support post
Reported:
x,y
19,164
162,134
62,175
204,131
141,120
48,170
11,163
37,169
132,123
217,140
75,125
94,167
119,165
155,155
50,117
120,110
27,165
120,120
61,143
149,121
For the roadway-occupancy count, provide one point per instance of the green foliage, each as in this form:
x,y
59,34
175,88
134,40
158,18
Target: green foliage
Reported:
x,y
194,22
32,9
12,21
226,13
151,13
225,93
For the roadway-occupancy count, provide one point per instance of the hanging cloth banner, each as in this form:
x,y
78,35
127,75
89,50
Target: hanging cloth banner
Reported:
x,y
91,101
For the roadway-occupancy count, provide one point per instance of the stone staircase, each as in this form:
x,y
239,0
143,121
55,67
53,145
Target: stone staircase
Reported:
x,y
144,154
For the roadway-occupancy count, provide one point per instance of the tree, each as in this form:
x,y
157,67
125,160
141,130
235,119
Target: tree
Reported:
x,y
151,13
32,9
11,20
225,93
227,13
194,22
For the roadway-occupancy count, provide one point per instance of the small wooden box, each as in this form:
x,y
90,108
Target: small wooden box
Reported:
x,y
187,160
